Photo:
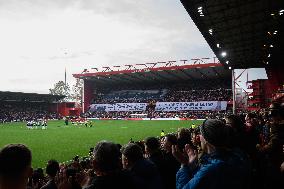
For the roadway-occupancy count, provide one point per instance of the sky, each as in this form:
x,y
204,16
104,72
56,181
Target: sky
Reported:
x,y
40,38
244,76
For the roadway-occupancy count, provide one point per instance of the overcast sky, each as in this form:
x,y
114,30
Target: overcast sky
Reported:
x,y
39,38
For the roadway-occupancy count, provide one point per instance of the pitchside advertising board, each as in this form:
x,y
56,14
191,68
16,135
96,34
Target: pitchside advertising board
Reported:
x,y
161,106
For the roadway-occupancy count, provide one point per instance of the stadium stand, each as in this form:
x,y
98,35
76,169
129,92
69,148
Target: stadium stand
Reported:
x,y
184,90
181,92
15,106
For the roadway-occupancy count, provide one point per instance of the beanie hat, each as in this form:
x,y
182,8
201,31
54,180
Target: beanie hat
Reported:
x,y
215,132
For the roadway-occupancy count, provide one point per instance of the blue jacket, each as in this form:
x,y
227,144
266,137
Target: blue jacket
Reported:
x,y
222,169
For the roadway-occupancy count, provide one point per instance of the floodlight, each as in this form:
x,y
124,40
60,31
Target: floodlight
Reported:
x,y
223,54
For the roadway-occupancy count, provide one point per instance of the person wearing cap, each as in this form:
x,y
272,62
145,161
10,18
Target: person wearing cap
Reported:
x,y
219,167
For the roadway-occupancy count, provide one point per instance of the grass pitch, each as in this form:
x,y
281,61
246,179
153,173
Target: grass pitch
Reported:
x,y
62,142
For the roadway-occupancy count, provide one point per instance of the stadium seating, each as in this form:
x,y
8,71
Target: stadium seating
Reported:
x,y
15,112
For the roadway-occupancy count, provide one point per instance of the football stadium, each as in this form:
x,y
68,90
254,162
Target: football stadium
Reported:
x,y
169,124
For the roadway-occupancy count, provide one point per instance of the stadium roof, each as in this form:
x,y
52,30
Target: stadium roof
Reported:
x,y
8,96
170,71
249,33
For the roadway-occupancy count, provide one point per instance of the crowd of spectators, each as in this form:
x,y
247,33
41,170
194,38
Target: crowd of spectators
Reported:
x,y
235,151
190,114
156,114
189,95
168,95
127,96
175,93
25,112
215,90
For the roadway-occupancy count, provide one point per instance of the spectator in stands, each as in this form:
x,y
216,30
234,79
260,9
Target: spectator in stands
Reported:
x,y
219,167
252,134
273,151
172,164
15,166
183,137
107,168
144,172
52,169
195,139
277,129
37,180
238,132
154,154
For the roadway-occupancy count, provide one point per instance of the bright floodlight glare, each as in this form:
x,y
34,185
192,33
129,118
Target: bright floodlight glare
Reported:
x,y
223,54
271,45
281,11
227,62
268,55
218,45
199,8
230,68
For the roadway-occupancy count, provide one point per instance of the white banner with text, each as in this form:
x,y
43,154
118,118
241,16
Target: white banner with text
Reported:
x,y
119,107
201,105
